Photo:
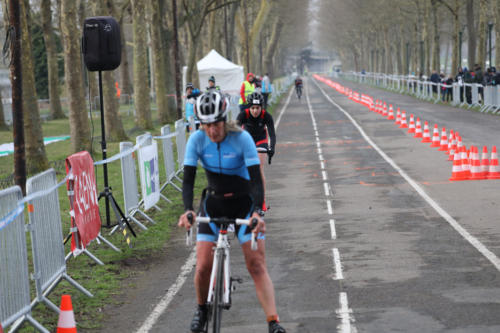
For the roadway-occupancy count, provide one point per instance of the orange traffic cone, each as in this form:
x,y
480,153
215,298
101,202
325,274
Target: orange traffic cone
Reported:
x,y
384,110
465,162
453,148
66,323
398,117
391,113
443,145
494,172
456,171
435,137
411,128
450,142
404,124
426,137
476,172
418,129
485,162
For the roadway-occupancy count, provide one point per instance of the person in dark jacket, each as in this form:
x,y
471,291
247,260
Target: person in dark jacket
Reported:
x,y
435,79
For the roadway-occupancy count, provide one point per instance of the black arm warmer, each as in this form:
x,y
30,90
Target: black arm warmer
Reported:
x,y
270,130
187,187
256,187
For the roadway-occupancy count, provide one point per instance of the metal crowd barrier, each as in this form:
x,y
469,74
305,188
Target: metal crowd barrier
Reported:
x,y
465,94
14,283
145,140
181,145
130,187
45,227
168,159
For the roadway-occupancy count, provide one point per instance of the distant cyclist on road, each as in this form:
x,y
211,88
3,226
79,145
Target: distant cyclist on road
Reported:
x,y
298,86
259,123
234,190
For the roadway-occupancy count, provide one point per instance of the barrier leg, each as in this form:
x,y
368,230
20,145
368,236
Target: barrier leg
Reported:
x,y
157,208
108,243
165,198
77,285
145,216
36,324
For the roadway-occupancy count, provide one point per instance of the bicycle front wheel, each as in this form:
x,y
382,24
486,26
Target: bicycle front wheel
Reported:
x,y
218,304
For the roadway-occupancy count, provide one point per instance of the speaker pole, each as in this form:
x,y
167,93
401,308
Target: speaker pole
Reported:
x,y
103,148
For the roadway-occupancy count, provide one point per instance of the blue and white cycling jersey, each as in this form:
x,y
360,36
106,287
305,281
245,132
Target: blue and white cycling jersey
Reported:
x,y
232,156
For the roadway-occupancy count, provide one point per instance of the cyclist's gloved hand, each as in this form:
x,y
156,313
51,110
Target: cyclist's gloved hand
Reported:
x,y
261,225
184,221
271,152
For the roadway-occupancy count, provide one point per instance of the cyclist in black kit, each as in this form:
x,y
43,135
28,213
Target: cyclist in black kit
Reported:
x,y
260,124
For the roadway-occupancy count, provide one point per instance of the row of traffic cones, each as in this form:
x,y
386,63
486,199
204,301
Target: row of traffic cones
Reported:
x,y
465,166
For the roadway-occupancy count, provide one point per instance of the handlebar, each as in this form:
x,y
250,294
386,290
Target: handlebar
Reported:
x,y
265,150
251,223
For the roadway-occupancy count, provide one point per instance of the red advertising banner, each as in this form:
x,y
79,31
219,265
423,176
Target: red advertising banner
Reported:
x,y
82,192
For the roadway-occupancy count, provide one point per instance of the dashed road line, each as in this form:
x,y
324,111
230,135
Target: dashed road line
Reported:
x,y
329,207
444,214
338,266
345,315
332,229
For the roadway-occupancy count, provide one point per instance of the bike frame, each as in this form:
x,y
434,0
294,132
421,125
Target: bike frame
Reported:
x,y
222,246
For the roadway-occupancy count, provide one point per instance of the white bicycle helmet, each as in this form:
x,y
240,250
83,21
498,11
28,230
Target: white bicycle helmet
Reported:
x,y
211,107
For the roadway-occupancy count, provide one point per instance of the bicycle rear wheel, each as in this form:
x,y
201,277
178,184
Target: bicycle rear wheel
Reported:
x,y
218,304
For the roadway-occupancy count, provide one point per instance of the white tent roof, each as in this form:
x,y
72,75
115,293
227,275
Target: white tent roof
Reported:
x,y
228,76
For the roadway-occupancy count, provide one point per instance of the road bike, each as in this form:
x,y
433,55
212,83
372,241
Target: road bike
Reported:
x,y
298,90
221,281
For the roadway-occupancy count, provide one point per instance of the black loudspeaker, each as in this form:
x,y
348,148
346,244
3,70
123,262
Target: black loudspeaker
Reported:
x,y
101,43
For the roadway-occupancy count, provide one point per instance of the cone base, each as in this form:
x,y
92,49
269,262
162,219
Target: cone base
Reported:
x,y
434,145
457,178
441,148
417,135
426,140
495,175
403,126
390,118
411,131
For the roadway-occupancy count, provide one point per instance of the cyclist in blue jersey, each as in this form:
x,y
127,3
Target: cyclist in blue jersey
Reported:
x,y
191,94
234,190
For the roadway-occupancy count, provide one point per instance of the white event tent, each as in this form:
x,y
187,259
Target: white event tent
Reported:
x,y
228,76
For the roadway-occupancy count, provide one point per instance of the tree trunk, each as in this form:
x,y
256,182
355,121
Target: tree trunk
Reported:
x,y
177,64
481,46
56,111
113,123
455,35
271,46
497,32
191,58
471,32
36,159
249,35
78,118
436,61
231,26
388,54
426,38
141,87
158,63
125,83
17,100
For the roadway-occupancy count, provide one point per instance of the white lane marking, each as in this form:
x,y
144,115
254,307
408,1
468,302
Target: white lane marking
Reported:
x,y
338,265
320,156
329,207
461,230
325,177
283,109
316,133
345,315
174,289
318,144
327,190
332,229
322,165
320,151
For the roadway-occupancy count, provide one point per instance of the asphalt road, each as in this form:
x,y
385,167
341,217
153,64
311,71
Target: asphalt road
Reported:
x,y
365,232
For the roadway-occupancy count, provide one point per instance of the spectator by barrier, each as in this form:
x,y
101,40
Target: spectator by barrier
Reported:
x,y
14,283
463,94
47,245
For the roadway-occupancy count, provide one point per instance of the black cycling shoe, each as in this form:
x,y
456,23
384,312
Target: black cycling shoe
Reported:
x,y
199,320
275,327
